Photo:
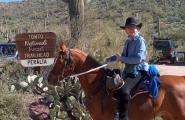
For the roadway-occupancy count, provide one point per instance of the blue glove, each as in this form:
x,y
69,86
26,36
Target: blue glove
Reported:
x,y
111,59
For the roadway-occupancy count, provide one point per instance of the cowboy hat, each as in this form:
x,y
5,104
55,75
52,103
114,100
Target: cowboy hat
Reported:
x,y
130,22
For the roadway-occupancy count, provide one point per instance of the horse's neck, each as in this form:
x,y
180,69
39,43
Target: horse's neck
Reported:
x,y
90,81
85,62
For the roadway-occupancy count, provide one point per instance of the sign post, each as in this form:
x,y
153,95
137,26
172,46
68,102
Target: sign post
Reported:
x,y
36,49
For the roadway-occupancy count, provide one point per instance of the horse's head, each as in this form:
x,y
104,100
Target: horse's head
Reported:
x,y
64,65
70,62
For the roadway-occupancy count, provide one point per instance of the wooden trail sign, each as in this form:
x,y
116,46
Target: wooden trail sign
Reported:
x,y
36,49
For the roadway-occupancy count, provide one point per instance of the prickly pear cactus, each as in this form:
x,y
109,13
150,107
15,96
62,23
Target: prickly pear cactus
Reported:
x,y
66,101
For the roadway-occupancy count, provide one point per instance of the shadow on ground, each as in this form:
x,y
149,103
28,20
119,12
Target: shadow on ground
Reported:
x,y
177,64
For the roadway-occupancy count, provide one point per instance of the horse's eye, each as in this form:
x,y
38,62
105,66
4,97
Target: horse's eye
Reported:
x,y
61,57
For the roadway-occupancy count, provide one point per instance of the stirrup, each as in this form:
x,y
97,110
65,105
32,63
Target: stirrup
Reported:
x,y
116,116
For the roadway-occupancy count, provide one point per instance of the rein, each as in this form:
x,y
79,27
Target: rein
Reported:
x,y
91,70
68,61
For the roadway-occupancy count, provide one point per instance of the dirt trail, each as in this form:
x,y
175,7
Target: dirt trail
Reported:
x,y
178,69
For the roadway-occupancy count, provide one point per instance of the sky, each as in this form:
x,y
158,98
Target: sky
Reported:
x,y
9,0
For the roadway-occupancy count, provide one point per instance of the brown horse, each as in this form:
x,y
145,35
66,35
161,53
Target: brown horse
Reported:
x,y
170,104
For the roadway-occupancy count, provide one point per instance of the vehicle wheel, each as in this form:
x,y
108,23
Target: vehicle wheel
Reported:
x,y
174,60
156,61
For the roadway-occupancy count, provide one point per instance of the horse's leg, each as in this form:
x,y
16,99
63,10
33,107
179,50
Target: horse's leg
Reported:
x,y
167,118
141,117
141,112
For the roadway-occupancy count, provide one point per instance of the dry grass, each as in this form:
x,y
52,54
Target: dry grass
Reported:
x,y
12,107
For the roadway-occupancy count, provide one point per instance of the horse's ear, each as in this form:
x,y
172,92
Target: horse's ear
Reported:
x,y
62,47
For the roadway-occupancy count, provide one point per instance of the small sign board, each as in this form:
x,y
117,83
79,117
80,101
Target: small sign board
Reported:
x,y
36,49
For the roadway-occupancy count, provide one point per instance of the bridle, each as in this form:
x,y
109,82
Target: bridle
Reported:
x,y
68,63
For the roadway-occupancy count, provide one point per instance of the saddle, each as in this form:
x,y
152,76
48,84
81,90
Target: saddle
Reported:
x,y
114,80
145,85
148,82
142,85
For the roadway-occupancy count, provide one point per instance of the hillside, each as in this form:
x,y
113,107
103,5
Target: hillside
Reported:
x,y
103,18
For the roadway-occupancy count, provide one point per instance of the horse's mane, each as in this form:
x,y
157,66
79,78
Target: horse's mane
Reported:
x,y
89,58
91,63
93,59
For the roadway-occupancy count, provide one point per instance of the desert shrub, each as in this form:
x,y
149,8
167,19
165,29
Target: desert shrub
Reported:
x,y
12,107
11,104
65,101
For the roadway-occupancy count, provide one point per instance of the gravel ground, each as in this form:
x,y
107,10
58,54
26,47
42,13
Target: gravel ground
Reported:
x,y
175,69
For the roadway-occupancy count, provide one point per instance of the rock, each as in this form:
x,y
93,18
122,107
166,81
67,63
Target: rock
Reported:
x,y
38,110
